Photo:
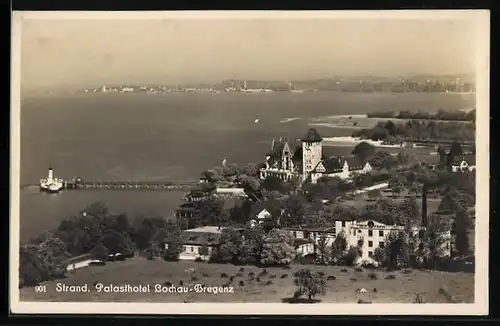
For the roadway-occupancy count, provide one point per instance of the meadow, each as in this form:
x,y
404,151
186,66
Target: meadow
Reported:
x,y
275,286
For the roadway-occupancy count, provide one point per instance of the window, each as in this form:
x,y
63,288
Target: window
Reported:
x,y
370,233
370,254
370,244
343,224
294,234
381,233
381,244
359,231
184,248
192,249
306,235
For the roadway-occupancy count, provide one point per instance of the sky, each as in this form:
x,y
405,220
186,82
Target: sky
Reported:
x,y
93,52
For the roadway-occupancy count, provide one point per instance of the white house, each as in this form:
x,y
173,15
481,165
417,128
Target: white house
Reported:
x,y
342,167
464,163
195,239
230,192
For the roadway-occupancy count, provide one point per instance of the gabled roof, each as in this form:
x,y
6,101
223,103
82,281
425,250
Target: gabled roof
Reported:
x,y
200,238
469,158
312,136
336,164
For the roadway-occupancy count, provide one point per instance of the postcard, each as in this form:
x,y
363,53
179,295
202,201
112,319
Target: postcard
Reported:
x,y
250,162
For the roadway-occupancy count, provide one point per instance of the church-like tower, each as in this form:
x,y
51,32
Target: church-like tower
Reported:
x,y
311,151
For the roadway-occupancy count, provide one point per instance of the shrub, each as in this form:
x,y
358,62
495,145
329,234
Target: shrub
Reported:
x,y
418,299
205,275
167,283
269,282
251,274
181,282
353,279
199,260
194,278
358,269
238,274
242,283
372,276
321,273
223,275
407,271
375,290
390,277
231,278
242,269
344,270
331,278
295,274
273,275
257,279
284,276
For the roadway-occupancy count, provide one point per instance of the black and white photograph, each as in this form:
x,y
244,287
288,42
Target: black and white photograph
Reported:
x,y
250,162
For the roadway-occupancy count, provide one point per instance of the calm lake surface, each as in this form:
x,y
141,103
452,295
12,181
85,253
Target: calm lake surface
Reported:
x,y
169,136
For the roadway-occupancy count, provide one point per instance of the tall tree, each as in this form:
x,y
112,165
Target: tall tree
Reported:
x,y
322,249
310,283
277,248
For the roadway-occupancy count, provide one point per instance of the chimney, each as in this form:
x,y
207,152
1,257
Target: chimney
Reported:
x,y
424,204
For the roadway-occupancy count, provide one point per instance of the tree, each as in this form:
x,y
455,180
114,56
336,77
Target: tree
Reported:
x,y
375,193
31,269
453,201
228,248
100,252
396,185
173,241
322,249
309,283
461,230
435,240
117,242
294,211
272,183
409,213
251,247
339,247
204,249
277,248
363,150
396,248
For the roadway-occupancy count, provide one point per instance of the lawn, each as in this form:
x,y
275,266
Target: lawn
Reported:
x,y
434,286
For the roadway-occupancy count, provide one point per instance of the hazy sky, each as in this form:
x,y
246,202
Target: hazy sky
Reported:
x,y
95,52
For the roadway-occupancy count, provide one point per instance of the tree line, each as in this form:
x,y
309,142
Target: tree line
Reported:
x,y
445,115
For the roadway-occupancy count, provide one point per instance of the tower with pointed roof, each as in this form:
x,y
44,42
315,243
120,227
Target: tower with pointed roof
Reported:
x,y
312,144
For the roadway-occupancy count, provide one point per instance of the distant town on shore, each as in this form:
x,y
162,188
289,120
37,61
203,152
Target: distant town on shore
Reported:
x,y
420,84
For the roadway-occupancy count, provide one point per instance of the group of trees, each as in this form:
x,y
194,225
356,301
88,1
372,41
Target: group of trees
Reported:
x,y
253,245
95,232
418,130
445,115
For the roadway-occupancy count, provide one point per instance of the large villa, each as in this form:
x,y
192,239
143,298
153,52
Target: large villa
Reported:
x,y
308,161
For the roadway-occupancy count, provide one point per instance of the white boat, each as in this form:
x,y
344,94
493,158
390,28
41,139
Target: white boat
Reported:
x,y
51,184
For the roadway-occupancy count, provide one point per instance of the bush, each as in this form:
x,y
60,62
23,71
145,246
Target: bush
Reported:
x,y
242,283
231,278
251,274
358,269
199,260
407,271
167,283
194,278
418,299
269,282
344,270
331,278
375,290
223,275
390,277
372,276
238,274
205,275
242,269
353,279
284,276
181,282
273,275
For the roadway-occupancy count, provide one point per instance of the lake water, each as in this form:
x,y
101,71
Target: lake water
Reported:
x,y
170,136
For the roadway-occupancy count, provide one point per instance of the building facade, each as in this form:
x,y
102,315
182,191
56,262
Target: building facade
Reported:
x,y
308,161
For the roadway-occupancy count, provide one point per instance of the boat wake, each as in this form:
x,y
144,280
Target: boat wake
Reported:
x,y
289,120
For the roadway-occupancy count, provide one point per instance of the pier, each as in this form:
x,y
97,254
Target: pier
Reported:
x,y
129,184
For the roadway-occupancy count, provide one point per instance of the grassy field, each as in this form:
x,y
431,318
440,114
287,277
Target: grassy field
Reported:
x,y
434,286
